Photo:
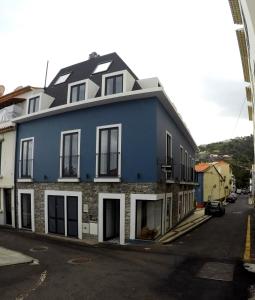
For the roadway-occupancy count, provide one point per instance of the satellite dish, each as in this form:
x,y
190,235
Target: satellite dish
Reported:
x,y
2,89
18,88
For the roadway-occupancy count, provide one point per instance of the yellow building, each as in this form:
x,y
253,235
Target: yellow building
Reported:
x,y
214,181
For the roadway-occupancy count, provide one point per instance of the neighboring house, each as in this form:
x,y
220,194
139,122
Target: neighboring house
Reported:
x,y
214,182
243,13
17,103
92,165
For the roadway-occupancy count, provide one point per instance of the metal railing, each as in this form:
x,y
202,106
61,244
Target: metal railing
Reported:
x,y
169,170
70,165
108,164
25,168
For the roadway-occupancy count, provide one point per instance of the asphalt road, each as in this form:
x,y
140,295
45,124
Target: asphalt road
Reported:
x,y
204,264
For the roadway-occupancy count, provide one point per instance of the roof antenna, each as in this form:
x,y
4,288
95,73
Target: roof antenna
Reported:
x,y
46,73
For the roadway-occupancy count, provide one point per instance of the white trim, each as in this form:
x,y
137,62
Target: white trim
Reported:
x,y
70,85
98,128
64,194
101,197
24,180
63,179
20,156
68,180
107,179
133,199
31,192
40,103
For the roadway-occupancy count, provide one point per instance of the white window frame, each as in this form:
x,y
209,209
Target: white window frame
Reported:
x,y
40,103
63,179
146,197
101,197
31,192
20,179
108,179
124,83
65,194
70,85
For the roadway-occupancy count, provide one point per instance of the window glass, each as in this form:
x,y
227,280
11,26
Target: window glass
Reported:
x,y
119,83
62,78
102,67
77,92
33,105
70,157
109,86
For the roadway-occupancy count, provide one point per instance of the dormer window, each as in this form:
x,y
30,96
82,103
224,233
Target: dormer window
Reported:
x,y
114,85
77,92
33,104
102,67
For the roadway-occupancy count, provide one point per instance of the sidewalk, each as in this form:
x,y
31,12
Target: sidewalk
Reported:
x,y
187,225
10,257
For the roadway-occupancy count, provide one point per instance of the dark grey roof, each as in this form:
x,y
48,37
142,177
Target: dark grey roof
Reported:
x,y
84,70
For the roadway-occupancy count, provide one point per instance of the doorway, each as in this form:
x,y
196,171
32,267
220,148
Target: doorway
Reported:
x,y
111,219
8,206
26,220
56,214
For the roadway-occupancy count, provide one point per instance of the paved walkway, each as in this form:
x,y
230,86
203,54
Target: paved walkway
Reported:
x,y
10,257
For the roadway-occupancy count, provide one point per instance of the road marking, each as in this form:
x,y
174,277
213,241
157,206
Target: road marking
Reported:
x,y
36,286
247,251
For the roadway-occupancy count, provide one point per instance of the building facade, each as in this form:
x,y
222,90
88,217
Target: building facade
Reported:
x,y
243,13
111,159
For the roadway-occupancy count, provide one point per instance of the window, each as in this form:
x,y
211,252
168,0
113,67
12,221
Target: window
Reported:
x,y
108,162
102,67
62,78
108,152
33,105
77,92
26,158
26,216
182,167
114,85
169,160
70,154
186,165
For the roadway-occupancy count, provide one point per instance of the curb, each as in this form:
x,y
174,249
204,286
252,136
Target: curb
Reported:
x,y
182,232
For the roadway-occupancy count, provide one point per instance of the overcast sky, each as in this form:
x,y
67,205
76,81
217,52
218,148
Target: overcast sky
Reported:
x,y
190,46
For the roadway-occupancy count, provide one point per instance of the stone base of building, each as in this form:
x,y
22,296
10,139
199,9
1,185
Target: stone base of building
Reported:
x,y
103,211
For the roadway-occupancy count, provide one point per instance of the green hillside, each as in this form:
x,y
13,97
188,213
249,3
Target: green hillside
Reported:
x,y
238,152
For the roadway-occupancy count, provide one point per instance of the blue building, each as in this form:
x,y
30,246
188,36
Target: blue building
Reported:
x,y
110,159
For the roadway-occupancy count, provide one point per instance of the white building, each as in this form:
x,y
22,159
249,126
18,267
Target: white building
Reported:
x,y
22,101
243,12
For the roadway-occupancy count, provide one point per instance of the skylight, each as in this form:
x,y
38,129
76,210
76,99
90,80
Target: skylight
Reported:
x,y
102,67
62,78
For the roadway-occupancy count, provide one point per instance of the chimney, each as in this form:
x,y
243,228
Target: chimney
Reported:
x,y
93,55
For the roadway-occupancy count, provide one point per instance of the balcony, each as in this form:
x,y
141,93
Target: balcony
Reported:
x,y
169,168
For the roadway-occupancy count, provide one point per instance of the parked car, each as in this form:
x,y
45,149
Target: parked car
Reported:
x,y
215,208
232,197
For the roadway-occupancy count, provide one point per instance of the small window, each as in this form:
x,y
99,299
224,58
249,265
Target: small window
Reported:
x,y
62,78
114,85
77,92
102,67
33,105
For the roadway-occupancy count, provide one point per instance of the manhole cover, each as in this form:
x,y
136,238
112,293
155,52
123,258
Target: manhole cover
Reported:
x,y
217,271
39,249
79,260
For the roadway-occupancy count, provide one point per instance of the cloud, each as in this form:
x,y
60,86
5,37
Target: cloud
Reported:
x,y
228,95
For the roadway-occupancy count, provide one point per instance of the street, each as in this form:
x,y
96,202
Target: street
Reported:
x,y
203,264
